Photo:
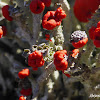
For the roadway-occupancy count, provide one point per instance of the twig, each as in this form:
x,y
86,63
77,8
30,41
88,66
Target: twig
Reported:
x,y
49,69
36,26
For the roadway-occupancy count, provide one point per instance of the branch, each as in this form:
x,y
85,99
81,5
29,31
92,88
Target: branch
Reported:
x,y
36,26
49,69
23,32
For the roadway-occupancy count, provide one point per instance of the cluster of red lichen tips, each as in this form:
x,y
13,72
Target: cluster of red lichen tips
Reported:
x,y
94,33
60,61
53,18
35,60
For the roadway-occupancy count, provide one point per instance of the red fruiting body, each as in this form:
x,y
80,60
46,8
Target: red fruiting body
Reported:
x,y
49,21
80,43
24,73
37,6
91,32
59,60
5,12
1,32
83,9
35,60
75,52
47,2
4,30
53,18
60,13
26,92
22,98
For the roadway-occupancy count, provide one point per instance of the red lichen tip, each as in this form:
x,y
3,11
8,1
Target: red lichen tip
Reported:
x,y
37,6
80,43
84,9
75,52
1,32
24,73
60,13
5,12
22,98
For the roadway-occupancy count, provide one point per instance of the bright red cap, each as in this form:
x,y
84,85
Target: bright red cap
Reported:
x,y
75,52
24,73
37,6
22,98
1,32
5,12
59,60
35,60
60,13
80,43
84,9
